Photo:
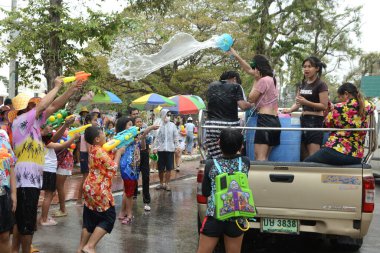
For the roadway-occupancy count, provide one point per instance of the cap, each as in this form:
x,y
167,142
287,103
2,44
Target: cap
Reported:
x,y
189,118
20,102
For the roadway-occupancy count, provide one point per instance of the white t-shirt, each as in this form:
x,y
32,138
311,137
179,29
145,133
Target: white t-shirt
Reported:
x,y
50,160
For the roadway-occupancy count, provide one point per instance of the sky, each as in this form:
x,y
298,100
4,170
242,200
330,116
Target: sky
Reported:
x,y
369,41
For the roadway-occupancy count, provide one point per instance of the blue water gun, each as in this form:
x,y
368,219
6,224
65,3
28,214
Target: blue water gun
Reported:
x,y
122,139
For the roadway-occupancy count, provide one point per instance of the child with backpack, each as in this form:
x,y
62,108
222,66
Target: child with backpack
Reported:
x,y
231,141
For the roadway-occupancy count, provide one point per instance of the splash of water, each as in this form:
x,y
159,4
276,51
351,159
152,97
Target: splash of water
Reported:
x,y
127,64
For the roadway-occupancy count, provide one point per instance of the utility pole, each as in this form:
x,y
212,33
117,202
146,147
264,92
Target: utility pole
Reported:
x,y
12,63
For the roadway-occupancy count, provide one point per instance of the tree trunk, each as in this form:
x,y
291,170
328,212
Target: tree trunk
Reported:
x,y
264,28
52,61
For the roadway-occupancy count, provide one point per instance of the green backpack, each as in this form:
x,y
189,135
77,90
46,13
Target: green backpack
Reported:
x,y
233,197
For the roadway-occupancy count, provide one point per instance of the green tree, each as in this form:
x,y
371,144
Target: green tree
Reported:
x,y
369,64
288,31
200,18
48,36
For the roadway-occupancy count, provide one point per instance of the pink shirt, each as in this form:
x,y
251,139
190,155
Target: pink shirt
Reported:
x,y
269,93
83,144
29,149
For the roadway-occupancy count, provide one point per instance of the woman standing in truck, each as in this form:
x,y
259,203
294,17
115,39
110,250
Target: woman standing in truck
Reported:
x,y
264,95
313,97
345,147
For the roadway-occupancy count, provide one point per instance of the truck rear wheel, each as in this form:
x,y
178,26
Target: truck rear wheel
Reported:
x,y
346,243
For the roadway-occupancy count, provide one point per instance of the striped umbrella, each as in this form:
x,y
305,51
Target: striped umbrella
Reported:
x,y
101,98
150,101
186,104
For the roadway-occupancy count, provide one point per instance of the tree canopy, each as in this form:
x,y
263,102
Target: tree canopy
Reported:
x,y
50,40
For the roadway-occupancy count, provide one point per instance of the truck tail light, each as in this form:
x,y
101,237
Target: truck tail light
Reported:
x,y
200,198
368,204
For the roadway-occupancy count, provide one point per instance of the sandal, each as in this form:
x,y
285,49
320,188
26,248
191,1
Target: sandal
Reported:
x,y
160,187
59,213
127,221
49,222
122,217
33,249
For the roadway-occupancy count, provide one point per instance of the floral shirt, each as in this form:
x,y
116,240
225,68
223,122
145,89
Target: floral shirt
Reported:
x,y
65,160
345,115
208,184
97,188
29,149
6,163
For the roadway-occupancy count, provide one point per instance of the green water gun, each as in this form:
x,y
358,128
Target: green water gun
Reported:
x,y
154,157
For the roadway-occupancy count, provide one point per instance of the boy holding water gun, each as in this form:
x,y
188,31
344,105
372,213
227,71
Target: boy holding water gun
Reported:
x,y
99,206
230,142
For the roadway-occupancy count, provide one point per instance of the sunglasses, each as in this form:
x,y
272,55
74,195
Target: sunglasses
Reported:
x,y
169,114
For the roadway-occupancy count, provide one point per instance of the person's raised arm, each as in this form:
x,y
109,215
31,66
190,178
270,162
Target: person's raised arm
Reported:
x,y
60,101
243,64
49,98
65,145
62,129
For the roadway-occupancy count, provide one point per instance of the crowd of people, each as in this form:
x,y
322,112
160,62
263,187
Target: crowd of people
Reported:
x,y
37,157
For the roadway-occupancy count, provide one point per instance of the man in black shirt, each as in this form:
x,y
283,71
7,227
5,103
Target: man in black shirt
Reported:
x,y
223,97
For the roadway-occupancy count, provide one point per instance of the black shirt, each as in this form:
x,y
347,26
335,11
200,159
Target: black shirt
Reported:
x,y
222,100
310,91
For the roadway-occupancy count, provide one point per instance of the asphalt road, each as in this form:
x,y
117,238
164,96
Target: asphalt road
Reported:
x,y
171,227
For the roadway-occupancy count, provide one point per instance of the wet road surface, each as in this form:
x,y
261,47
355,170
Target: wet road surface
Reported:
x,y
171,227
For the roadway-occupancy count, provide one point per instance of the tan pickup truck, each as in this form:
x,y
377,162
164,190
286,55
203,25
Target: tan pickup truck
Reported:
x,y
297,198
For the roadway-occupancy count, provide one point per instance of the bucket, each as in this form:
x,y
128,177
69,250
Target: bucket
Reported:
x,y
289,149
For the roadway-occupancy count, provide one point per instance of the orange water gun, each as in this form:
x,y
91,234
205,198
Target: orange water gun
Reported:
x,y
81,75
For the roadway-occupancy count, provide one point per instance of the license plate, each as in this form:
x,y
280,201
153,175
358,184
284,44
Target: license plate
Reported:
x,y
284,226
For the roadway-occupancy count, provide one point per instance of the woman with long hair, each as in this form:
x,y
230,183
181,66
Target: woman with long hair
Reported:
x,y
264,95
345,147
312,96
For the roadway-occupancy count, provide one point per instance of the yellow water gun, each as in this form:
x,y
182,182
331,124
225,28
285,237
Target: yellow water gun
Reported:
x,y
80,129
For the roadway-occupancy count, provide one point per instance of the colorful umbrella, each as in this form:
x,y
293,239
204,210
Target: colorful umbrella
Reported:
x,y
186,104
101,98
150,101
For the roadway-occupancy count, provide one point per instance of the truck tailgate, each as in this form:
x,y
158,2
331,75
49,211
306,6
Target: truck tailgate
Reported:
x,y
306,190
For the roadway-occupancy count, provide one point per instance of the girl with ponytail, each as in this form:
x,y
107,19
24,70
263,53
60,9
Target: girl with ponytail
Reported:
x,y
264,94
345,147
312,96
